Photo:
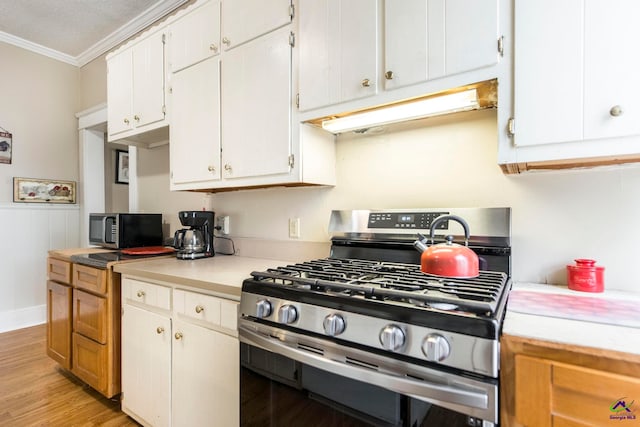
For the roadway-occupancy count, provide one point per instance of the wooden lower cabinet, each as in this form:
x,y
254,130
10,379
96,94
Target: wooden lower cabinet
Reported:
x,y
180,364
551,384
83,322
59,323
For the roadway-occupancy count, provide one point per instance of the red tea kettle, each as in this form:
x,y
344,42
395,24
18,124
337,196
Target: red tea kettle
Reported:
x,y
448,259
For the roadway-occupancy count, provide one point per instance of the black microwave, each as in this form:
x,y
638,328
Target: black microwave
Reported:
x,y
125,230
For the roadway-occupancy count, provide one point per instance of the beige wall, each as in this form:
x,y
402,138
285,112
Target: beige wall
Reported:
x,y
93,83
39,99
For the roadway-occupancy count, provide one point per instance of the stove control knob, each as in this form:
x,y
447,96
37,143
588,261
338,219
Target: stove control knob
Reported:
x,y
287,314
392,338
263,309
334,325
436,348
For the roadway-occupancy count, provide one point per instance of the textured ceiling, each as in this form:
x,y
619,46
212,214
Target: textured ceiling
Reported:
x,y
73,27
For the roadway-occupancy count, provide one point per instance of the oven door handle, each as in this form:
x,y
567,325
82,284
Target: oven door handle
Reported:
x,y
414,388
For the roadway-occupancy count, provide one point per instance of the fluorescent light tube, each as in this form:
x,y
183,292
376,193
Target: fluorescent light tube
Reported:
x,y
434,106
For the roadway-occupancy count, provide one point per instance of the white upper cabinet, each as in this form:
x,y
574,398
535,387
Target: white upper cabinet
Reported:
x,y
428,39
195,37
195,124
574,74
136,87
244,20
339,58
256,107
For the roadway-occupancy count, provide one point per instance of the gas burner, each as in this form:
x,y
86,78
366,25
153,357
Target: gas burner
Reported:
x,y
395,282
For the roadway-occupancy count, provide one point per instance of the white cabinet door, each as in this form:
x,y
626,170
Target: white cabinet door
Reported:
x,y
146,365
244,20
148,80
256,107
338,51
548,71
206,377
428,39
195,36
611,65
119,93
195,123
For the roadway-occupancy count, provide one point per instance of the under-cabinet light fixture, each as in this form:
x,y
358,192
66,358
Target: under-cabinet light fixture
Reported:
x,y
429,107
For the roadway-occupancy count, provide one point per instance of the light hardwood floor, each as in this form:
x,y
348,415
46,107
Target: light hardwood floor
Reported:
x,y
35,391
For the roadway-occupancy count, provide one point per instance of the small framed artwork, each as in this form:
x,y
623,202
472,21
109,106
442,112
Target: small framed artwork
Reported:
x,y
122,167
5,146
34,190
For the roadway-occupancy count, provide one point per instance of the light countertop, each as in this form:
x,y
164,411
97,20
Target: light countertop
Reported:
x,y
607,320
221,274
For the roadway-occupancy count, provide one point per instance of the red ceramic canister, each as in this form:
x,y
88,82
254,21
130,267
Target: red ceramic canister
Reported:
x,y
585,276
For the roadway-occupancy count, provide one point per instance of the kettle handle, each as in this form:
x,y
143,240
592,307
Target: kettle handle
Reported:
x,y
443,218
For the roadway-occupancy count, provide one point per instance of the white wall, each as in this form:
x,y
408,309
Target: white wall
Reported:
x,y
451,162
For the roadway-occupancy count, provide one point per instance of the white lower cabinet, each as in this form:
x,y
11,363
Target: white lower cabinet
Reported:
x,y
180,363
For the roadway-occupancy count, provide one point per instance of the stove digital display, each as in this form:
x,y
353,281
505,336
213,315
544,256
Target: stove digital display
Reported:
x,y
404,220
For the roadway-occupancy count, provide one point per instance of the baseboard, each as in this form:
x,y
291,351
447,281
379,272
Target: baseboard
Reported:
x,y
23,318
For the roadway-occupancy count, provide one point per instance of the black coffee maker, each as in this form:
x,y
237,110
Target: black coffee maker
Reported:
x,y
197,240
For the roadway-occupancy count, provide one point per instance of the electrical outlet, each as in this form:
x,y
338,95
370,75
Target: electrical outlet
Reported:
x,y
224,223
294,228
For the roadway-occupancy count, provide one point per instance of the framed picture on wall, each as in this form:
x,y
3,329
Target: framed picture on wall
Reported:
x,y
122,167
5,146
36,190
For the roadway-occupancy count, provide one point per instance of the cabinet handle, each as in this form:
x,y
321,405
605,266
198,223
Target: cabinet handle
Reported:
x,y
136,118
615,111
388,75
178,335
213,47
159,330
126,121
365,83
199,309
226,41
140,294
227,167
211,169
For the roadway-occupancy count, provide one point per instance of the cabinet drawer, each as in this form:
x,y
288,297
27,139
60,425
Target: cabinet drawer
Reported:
x,y
90,315
90,362
206,308
59,270
147,293
89,278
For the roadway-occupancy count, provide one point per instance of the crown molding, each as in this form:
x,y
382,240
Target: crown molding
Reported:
x,y
37,48
123,33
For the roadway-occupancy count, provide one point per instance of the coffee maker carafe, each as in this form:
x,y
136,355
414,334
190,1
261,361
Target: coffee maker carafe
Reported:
x,y
197,240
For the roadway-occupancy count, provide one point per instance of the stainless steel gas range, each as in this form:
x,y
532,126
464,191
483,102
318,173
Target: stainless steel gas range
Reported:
x,y
364,337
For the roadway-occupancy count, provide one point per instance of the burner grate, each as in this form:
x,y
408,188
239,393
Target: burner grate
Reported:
x,y
393,282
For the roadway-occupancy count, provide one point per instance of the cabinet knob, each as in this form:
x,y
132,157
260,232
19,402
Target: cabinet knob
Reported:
x,y
159,330
140,294
136,118
226,41
213,47
126,121
199,309
227,167
388,75
211,169
365,83
615,111
178,335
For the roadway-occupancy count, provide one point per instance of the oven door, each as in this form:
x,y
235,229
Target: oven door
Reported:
x,y
293,379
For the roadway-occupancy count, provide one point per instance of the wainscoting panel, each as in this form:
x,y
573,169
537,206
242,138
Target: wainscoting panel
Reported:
x,y
29,231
